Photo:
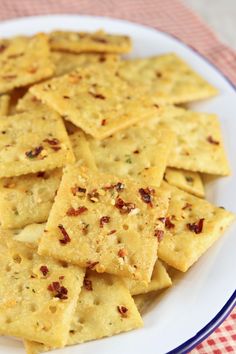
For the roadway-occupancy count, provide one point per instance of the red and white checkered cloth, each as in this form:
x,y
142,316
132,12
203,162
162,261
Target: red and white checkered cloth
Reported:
x,y
170,16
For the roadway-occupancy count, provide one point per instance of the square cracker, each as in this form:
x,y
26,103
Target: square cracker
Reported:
x,y
27,199
160,279
102,303
167,78
102,222
188,181
65,62
29,309
4,105
96,100
33,141
23,61
99,41
139,153
199,145
192,226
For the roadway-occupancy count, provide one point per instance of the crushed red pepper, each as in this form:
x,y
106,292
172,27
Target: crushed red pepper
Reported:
x,y
97,95
93,196
122,310
76,189
111,232
146,195
104,220
88,284
124,207
119,186
212,141
44,270
54,143
196,227
66,237
103,122
122,253
159,234
2,47
59,291
75,212
167,222
31,154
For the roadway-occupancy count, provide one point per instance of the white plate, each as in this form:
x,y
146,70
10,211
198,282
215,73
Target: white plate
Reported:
x,y
206,293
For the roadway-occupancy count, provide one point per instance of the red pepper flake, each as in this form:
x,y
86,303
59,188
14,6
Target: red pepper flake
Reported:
x,y
159,234
187,206
88,284
76,189
136,152
91,265
61,277
196,227
32,70
44,270
146,195
66,97
2,47
167,222
123,311
103,122
158,74
104,220
111,232
122,253
58,290
54,143
93,196
66,237
31,154
97,95
75,212
118,186
156,105
212,141
102,59
125,208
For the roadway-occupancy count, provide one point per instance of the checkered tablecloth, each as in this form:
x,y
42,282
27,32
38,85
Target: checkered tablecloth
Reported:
x,y
170,16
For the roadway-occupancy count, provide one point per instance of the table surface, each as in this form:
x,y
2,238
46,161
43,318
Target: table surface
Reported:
x,y
220,15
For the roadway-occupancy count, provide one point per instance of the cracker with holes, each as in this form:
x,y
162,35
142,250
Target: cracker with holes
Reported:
x,y
81,149
65,62
32,142
192,225
167,78
28,199
97,42
96,100
188,181
199,144
38,295
106,299
138,152
106,223
4,104
160,279
24,61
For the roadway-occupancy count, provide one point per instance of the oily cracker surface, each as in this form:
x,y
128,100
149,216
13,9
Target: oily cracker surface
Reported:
x,y
199,144
65,62
159,280
96,100
185,240
99,41
33,141
188,181
138,152
81,149
28,308
4,104
24,61
166,77
97,314
102,222
27,199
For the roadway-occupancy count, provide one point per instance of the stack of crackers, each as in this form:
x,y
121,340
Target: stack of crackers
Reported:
x,y
101,184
